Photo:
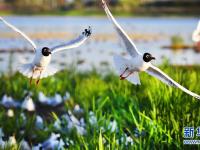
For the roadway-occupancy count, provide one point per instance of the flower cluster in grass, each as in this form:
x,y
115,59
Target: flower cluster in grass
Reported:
x,y
102,111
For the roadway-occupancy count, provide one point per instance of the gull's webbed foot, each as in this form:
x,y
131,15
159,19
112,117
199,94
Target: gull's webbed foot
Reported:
x,y
122,77
37,82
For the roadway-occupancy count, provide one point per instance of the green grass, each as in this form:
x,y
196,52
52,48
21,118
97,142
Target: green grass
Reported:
x,y
81,12
6,13
157,111
96,13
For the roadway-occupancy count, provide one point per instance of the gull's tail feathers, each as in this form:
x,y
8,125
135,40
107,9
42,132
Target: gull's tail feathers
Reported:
x,y
134,78
121,64
27,70
49,71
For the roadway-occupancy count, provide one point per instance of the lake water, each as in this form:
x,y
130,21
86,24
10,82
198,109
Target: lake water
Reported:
x,y
149,34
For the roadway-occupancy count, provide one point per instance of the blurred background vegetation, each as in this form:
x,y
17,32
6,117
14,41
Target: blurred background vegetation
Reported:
x,y
92,7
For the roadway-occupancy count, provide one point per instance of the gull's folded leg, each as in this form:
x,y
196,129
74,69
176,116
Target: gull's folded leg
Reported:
x,y
38,80
33,71
30,81
124,72
122,77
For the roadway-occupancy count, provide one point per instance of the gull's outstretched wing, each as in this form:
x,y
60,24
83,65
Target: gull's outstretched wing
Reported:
x,y
74,43
156,72
130,46
198,26
20,32
196,33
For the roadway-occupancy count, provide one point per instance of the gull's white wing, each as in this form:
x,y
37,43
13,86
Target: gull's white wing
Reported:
x,y
130,46
156,72
198,26
74,43
196,33
20,32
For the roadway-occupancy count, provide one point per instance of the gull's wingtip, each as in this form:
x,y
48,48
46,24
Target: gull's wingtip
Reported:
x,y
89,28
198,26
103,3
197,97
87,32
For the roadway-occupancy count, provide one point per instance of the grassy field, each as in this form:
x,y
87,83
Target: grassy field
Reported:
x,y
81,12
98,13
150,116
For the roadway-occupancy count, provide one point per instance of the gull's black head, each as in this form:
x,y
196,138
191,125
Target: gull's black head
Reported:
x,y
46,51
148,57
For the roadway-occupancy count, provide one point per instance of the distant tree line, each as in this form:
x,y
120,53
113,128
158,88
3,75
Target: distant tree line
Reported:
x,y
32,6
128,6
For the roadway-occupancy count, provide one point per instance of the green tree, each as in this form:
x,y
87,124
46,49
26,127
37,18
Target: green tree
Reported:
x,y
129,5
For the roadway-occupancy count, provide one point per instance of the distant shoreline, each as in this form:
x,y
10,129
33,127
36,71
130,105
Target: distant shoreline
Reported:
x,y
99,13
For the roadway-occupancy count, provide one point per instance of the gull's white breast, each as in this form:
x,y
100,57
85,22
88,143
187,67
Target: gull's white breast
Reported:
x,y
138,64
41,60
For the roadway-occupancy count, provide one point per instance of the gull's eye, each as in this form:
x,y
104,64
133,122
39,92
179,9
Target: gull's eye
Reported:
x,y
45,49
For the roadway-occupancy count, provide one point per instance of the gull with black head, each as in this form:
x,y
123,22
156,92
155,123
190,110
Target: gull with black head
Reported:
x,y
129,69
39,67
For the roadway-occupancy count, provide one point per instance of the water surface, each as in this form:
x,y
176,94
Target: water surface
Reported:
x,y
149,34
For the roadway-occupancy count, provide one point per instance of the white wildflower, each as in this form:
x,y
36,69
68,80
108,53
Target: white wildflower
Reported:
x,y
28,104
10,113
92,118
112,126
39,122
